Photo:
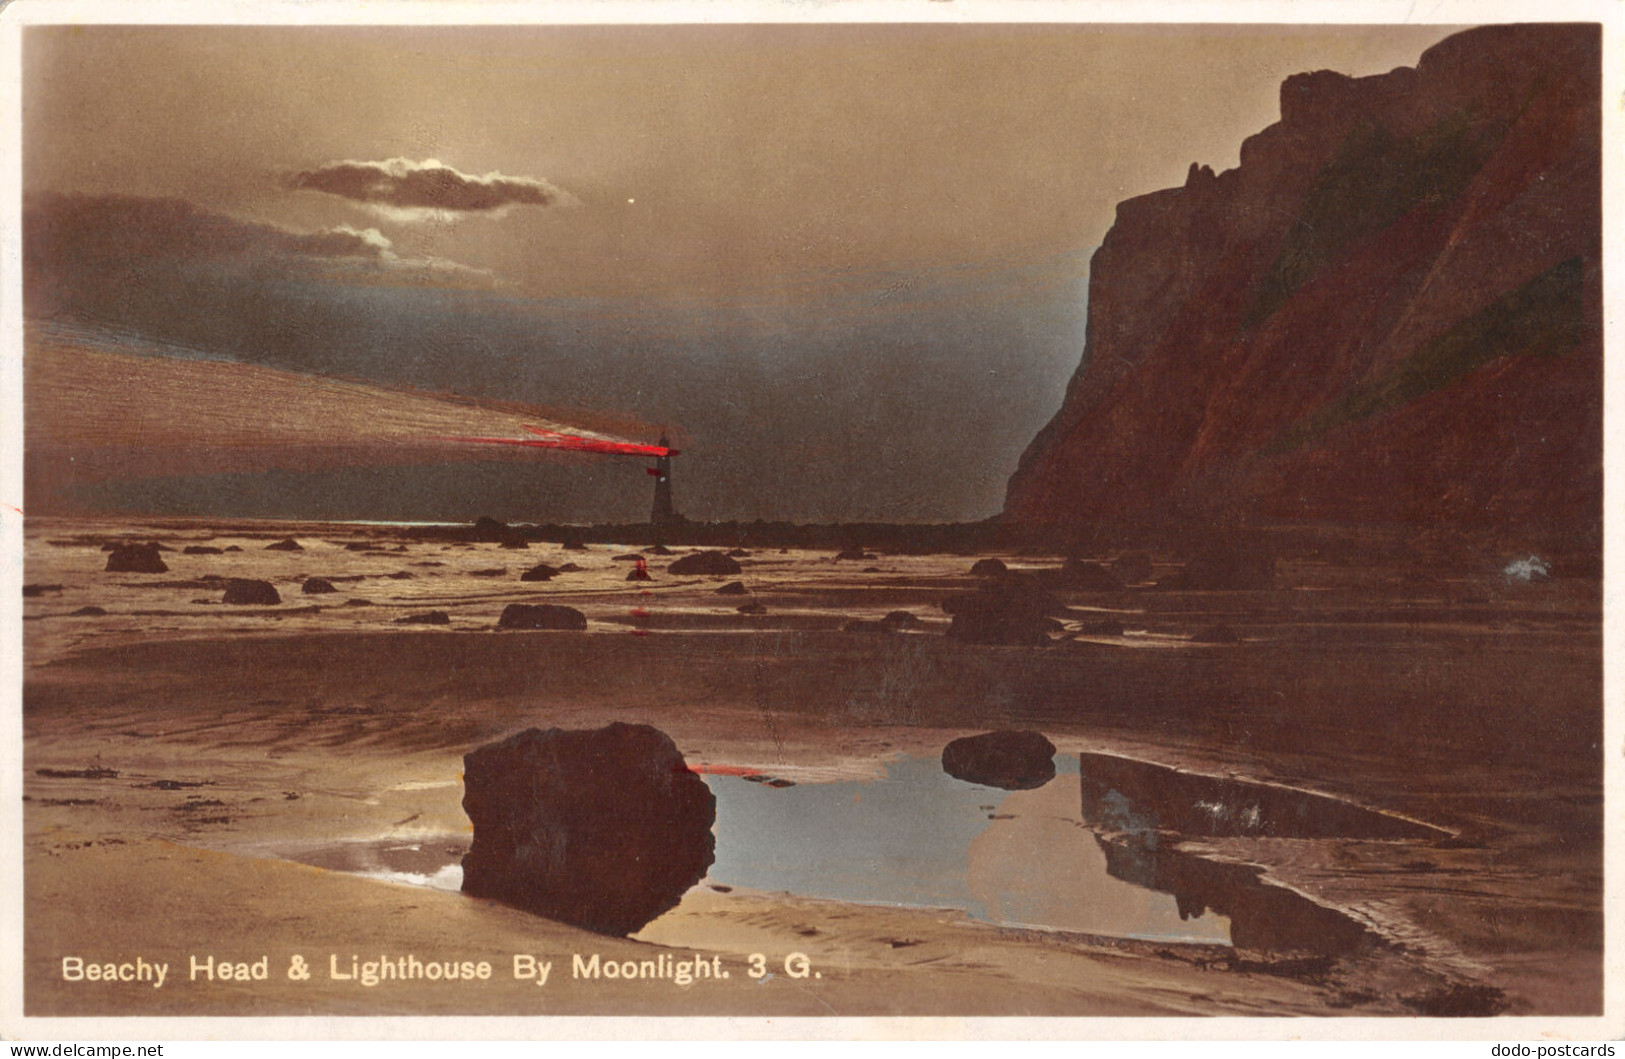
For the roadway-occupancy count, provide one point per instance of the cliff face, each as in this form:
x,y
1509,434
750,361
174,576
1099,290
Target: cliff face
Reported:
x,y
1389,312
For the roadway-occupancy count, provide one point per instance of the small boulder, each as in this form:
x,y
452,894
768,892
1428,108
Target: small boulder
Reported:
x,y
989,567
136,559
88,612
433,617
539,572
854,554
638,573
711,564
751,608
317,586
628,557
738,553
491,571
604,829
1133,568
232,548
570,568
201,549
286,545
251,593
358,602
902,619
541,616
400,575
660,549
733,588
1009,760
1009,610
31,591
1084,576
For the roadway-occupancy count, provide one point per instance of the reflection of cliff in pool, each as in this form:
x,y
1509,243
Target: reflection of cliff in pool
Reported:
x,y
1262,916
1137,808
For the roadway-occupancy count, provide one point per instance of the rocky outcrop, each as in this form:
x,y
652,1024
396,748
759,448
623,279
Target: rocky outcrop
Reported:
x,y
1011,761
603,829
1389,312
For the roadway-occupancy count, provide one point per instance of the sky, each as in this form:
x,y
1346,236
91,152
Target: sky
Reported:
x,y
844,267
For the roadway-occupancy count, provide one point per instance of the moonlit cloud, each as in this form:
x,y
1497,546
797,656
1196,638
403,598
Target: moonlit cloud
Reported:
x,y
404,190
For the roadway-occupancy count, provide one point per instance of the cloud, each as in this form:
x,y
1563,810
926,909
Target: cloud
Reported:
x,y
74,243
406,190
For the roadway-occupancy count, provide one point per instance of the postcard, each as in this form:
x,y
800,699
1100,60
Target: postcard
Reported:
x,y
1089,515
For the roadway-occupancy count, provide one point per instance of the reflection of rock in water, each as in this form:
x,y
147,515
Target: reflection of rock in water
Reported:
x,y
1121,794
1262,917
605,829
1012,761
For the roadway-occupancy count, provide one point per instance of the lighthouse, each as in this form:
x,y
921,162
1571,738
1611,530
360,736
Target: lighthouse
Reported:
x,y
662,514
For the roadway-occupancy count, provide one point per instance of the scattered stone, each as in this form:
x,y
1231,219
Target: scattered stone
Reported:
x,y
751,608
1088,577
539,572
491,571
733,588
256,593
855,554
871,570
989,567
200,549
540,616
1132,568
1009,610
316,586
232,548
433,617
603,829
1009,760
714,564
136,559
1216,634
628,557
738,553
515,543
400,575
638,573
288,545
88,612
31,591
660,549
363,546
570,568
358,602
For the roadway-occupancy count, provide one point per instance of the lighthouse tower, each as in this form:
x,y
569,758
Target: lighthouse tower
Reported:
x,y
662,514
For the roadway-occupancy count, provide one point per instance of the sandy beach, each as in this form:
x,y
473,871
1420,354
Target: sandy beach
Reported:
x,y
188,763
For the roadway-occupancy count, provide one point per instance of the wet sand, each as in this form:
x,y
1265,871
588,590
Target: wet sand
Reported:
x,y
1455,698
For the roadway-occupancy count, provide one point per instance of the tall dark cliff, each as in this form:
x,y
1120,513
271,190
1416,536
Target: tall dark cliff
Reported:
x,y
1390,312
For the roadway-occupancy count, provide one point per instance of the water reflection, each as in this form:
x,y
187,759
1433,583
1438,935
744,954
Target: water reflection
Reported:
x,y
918,837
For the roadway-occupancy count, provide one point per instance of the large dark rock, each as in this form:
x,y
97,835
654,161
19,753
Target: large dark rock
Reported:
x,y
246,591
136,559
714,564
1010,610
603,829
1012,761
540,616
